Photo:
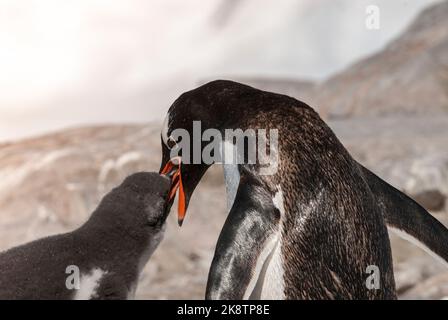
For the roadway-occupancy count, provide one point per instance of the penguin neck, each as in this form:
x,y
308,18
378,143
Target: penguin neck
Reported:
x,y
118,236
233,172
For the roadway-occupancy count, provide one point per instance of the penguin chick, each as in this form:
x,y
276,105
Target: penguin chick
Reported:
x,y
100,260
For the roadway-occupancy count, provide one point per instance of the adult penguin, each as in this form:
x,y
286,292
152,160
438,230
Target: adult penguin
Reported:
x,y
314,229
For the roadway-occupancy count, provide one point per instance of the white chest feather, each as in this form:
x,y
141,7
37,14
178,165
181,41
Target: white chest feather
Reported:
x,y
273,284
267,281
88,284
270,284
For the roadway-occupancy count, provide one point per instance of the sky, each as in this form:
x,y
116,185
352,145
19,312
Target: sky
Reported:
x,y
66,63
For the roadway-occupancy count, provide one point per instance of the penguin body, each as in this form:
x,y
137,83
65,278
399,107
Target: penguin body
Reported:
x,y
316,227
100,260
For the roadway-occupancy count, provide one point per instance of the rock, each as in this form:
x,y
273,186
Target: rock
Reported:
x,y
432,200
435,287
429,172
415,270
409,76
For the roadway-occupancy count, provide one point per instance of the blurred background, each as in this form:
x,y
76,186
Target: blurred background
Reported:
x,y
84,86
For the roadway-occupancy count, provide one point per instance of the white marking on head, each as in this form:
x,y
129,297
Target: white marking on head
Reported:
x,y
406,236
89,284
164,132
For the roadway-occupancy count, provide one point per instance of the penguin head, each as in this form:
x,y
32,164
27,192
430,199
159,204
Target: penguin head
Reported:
x,y
143,196
201,105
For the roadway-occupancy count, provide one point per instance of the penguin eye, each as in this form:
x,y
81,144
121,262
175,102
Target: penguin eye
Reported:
x,y
171,143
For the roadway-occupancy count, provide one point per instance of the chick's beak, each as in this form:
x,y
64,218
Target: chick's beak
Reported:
x,y
172,169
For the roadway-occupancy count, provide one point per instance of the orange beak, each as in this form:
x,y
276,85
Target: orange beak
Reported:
x,y
174,171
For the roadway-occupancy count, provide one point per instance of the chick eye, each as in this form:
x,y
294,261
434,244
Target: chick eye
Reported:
x,y
171,143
